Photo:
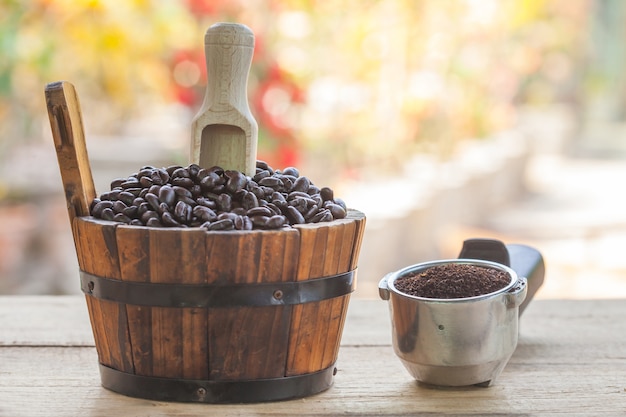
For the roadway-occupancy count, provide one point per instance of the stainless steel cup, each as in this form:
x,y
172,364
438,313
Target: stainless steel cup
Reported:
x,y
455,342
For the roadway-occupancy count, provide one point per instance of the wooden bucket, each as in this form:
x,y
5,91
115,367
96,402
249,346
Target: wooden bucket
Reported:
x,y
184,314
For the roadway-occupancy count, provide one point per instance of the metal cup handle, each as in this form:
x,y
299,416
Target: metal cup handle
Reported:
x,y
383,287
516,295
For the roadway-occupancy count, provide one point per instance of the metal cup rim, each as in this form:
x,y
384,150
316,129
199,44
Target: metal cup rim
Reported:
x,y
424,265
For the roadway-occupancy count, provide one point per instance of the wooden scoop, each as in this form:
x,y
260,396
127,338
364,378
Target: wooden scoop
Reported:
x,y
224,132
69,141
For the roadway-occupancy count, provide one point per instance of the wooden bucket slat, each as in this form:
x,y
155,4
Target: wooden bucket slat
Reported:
x,y
316,327
133,245
172,261
110,330
194,320
304,338
251,342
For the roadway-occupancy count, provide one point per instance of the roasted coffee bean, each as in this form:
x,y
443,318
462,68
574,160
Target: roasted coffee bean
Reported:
x,y
249,200
267,191
111,195
183,211
259,211
160,176
195,191
273,208
96,211
154,222
145,172
134,191
183,182
313,190
136,222
207,202
260,175
154,189
204,213
202,173
326,193
312,211
167,195
143,207
168,220
301,184
118,182
291,171
271,182
294,215
340,202
218,170
119,206
107,214
263,165
225,224
193,170
322,216
260,221
216,199
149,215
224,202
131,211
131,183
126,197
297,194
336,210
122,218
210,181
258,192
188,200
170,169
146,182
163,208
240,211
180,173
153,200
288,182
236,181
227,215
300,204
279,200
276,222
243,223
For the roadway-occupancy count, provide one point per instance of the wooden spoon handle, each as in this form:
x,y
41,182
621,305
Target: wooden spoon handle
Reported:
x,y
224,131
69,140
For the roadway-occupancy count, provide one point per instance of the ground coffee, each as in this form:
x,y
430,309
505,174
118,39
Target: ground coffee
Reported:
x,y
453,280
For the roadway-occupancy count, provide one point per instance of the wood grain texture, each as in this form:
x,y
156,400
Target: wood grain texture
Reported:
x,y
68,134
569,361
316,328
224,132
249,342
218,343
97,251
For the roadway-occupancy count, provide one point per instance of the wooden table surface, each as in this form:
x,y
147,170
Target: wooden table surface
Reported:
x,y
571,360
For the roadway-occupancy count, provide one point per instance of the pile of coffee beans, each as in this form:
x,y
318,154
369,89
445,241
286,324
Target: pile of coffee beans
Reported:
x,y
217,199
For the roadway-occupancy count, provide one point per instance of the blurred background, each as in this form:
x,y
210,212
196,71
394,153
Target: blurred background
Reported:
x,y
440,119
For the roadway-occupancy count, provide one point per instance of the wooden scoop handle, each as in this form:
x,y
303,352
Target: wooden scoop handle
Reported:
x,y
69,140
224,131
